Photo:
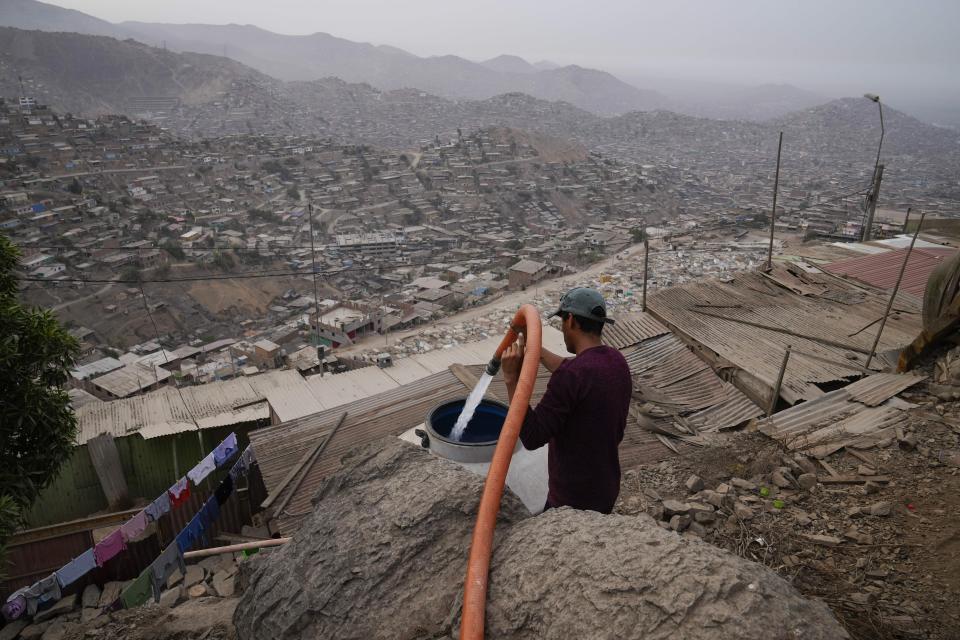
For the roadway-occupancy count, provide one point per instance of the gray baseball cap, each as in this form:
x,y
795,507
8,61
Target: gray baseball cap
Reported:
x,y
584,302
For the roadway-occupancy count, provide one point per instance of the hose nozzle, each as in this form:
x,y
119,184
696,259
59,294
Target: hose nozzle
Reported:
x,y
493,367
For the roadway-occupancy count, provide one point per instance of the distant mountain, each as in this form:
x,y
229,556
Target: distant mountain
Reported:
x,y
724,101
29,14
95,74
509,64
855,122
322,55
546,65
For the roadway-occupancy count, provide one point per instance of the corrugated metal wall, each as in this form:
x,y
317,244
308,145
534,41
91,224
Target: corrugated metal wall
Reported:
x,y
33,560
147,464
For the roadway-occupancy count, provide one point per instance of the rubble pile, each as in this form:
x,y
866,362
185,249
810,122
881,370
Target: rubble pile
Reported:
x,y
869,532
212,580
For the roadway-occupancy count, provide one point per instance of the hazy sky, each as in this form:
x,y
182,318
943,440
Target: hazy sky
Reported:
x,y
841,47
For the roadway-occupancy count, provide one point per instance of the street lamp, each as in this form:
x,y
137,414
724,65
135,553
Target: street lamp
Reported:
x,y
875,98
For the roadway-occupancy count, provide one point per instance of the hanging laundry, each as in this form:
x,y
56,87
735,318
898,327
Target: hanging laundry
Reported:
x,y
139,590
191,534
238,470
224,490
179,493
134,527
203,469
158,508
210,512
163,567
76,568
46,591
109,547
14,607
225,450
248,457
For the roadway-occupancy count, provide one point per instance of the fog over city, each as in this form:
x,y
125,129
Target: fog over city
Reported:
x,y
905,51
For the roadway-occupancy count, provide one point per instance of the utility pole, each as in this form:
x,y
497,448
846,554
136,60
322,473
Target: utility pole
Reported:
x,y
871,203
906,219
773,211
646,261
316,294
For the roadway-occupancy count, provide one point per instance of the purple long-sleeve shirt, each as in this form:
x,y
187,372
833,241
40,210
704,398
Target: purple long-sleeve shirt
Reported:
x,y
582,417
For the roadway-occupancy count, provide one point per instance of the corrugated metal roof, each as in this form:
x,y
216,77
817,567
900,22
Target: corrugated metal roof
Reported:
x,y
129,379
862,408
872,390
162,412
721,316
733,411
89,370
631,329
881,270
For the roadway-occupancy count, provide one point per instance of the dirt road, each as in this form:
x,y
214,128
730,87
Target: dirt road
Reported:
x,y
508,302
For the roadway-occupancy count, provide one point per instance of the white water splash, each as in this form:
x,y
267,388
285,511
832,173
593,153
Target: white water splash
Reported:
x,y
470,406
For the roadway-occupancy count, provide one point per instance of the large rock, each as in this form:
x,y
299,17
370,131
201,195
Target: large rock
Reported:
x,y
384,553
578,574
382,556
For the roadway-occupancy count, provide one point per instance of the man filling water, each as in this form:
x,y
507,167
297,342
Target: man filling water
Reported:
x,y
583,414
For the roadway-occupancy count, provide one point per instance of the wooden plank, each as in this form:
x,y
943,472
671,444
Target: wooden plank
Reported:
x,y
862,457
106,462
312,461
829,469
854,479
73,526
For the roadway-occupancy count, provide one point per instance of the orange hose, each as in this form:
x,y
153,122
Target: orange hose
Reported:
x,y
481,546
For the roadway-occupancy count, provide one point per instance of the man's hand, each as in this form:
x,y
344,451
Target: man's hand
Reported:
x,y
512,360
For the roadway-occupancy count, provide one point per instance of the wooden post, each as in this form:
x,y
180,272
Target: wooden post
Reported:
x,y
773,211
106,462
776,389
872,203
896,288
243,546
646,271
906,220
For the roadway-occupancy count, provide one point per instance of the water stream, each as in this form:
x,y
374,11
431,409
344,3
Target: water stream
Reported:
x,y
456,434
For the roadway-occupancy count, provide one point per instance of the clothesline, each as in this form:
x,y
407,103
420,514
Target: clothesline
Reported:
x,y
49,590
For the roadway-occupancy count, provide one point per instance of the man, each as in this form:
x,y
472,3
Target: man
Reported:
x,y
583,414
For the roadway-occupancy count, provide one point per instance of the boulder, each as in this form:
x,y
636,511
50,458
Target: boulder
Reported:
x,y
195,575
111,591
675,507
62,606
12,629
694,484
171,597
382,555
91,595
637,581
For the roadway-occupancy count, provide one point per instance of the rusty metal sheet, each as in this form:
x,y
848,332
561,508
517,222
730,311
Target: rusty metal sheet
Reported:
x,y
734,411
632,329
875,389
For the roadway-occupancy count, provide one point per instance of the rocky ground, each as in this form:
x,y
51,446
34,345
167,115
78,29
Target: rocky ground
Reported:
x,y
883,555
195,606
